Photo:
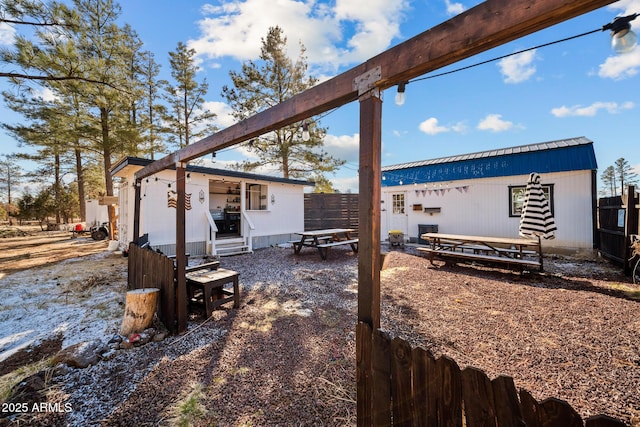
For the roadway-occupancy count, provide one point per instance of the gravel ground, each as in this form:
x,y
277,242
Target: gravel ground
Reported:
x,y
287,355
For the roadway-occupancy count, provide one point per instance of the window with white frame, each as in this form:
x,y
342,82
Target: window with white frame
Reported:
x,y
256,197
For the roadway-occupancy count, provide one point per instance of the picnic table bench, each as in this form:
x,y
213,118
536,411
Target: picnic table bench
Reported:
x,y
520,253
325,239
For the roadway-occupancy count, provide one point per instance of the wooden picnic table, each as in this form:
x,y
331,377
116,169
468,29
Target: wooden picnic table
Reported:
x,y
523,253
325,239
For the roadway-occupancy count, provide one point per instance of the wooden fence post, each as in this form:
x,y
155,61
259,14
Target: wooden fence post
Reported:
x,y
369,238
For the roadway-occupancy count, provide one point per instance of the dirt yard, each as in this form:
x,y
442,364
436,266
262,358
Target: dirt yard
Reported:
x,y
29,247
287,355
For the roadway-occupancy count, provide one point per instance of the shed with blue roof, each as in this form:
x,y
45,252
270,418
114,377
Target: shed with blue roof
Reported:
x,y
482,193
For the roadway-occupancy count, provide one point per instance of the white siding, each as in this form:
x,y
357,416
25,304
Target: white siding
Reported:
x,y
283,217
483,209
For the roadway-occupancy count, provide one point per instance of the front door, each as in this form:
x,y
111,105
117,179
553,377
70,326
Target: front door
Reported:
x,y
398,219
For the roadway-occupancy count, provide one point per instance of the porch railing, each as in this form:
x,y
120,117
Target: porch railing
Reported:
x,y
211,236
248,226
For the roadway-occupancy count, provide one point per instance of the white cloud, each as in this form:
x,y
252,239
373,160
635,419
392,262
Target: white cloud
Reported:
x,y
591,110
224,117
343,147
351,31
459,127
7,33
45,93
494,123
518,68
454,8
346,185
431,127
621,66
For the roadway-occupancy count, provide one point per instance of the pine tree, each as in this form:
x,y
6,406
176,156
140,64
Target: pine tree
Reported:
x,y
10,173
273,80
625,173
187,122
151,125
608,178
107,52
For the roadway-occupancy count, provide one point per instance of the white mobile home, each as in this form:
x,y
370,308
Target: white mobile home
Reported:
x,y
227,211
482,193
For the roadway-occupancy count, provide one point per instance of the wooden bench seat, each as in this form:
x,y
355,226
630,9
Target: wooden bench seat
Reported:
x,y
486,248
297,244
324,247
493,259
337,243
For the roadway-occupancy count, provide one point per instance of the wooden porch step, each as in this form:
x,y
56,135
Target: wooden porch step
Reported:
x,y
232,250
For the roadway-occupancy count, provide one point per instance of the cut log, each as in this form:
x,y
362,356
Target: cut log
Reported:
x,y
140,306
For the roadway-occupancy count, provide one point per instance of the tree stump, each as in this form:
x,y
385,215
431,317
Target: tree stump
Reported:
x,y
140,306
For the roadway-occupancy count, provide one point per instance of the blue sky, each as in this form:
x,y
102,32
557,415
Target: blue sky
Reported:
x,y
575,88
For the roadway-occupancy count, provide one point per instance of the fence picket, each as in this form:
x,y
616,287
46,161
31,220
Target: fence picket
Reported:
x,y
425,378
450,393
530,409
603,421
401,390
477,394
558,413
381,372
507,406
364,351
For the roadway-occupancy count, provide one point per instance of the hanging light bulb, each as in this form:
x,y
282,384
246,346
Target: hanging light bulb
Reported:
x,y
305,131
400,95
623,39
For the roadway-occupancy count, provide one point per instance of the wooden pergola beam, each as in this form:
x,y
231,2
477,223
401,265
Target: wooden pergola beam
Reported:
x,y
479,29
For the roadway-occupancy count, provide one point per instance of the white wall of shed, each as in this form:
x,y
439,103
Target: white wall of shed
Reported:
x,y
483,209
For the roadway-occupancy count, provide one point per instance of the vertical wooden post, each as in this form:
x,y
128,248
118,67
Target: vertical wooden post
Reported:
x,y
136,210
368,248
369,210
181,250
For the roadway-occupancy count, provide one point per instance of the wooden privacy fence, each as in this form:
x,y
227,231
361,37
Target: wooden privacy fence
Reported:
x,y
618,220
335,210
412,388
149,269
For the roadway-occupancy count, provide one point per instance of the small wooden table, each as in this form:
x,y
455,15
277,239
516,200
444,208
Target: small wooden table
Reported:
x,y
325,239
502,250
207,287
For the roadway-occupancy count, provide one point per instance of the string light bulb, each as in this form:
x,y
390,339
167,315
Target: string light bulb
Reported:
x,y
623,39
401,95
305,131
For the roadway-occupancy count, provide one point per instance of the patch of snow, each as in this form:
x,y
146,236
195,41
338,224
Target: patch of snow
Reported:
x,y
38,304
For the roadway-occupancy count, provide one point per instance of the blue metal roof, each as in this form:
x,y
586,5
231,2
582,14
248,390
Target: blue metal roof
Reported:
x,y
554,156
